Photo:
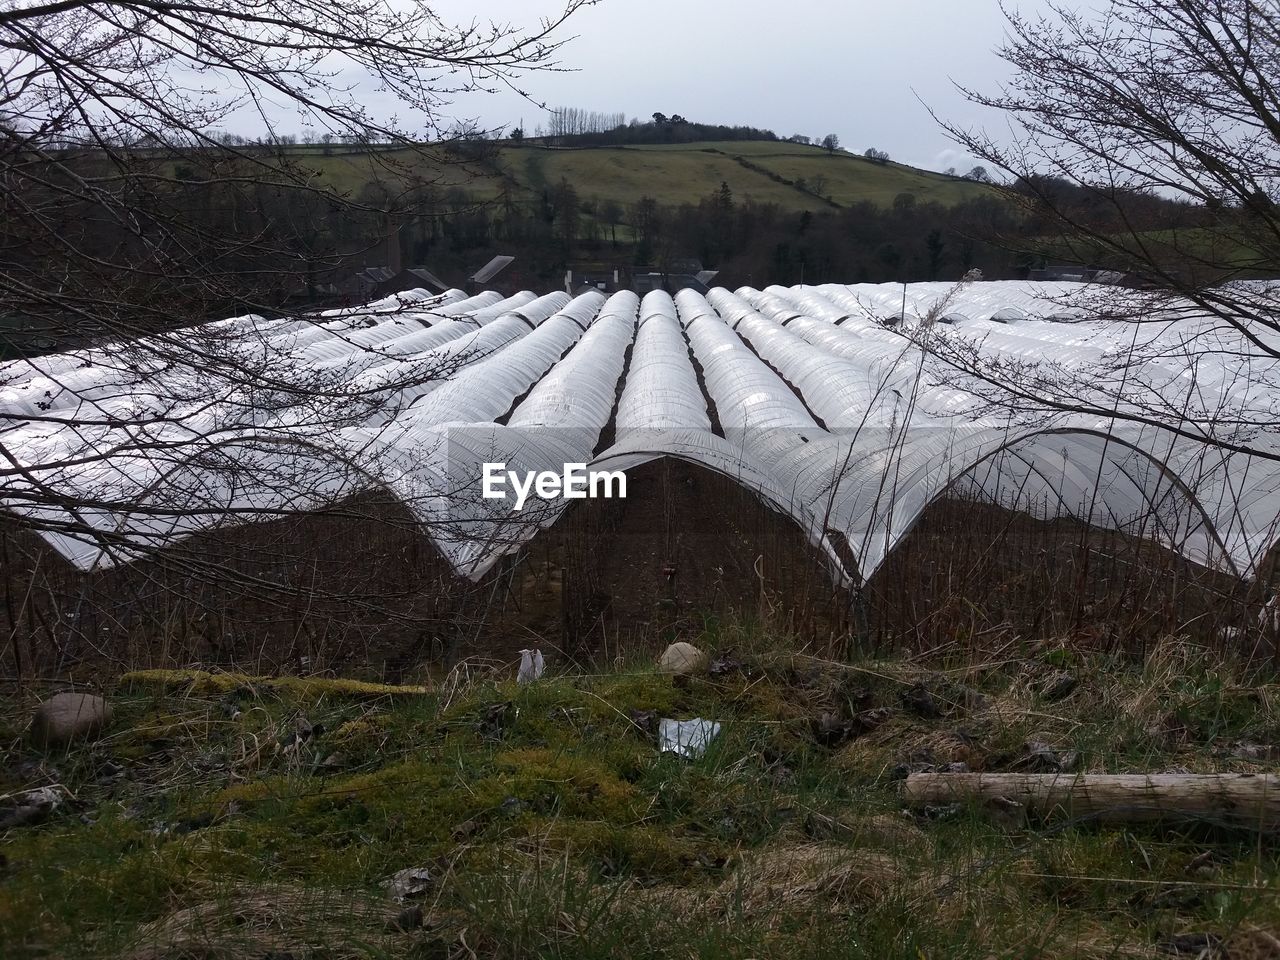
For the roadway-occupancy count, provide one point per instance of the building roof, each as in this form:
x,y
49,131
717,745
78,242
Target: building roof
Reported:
x,y
492,269
429,279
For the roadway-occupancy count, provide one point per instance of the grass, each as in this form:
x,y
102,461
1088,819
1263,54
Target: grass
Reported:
x,y
685,174
688,173
549,825
672,174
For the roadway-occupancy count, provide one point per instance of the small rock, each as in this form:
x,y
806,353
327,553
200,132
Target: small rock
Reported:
x,y
512,806
65,717
683,659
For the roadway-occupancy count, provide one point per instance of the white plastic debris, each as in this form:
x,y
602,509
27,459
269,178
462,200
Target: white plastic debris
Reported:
x,y
410,882
31,806
531,666
688,738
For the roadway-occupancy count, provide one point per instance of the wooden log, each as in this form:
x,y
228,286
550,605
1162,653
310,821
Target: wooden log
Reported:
x,y
1243,799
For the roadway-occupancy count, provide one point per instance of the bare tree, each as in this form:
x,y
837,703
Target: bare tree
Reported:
x,y
1146,138
128,221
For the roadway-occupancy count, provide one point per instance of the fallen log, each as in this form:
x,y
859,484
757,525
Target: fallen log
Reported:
x,y
1243,799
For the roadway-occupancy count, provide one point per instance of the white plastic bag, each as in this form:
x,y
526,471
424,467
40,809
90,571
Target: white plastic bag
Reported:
x,y
688,738
531,666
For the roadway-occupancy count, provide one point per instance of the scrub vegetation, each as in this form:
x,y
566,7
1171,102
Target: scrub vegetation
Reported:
x,y
243,817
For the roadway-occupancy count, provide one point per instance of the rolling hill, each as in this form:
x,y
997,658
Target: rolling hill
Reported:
x,y
793,176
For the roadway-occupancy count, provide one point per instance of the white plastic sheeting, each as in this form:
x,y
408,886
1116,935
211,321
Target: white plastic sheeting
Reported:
x,y
831,402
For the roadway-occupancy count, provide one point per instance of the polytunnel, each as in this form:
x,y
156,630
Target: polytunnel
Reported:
x,y
800,395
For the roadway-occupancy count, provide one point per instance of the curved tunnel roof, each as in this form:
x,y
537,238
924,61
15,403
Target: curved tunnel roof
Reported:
x,y
800,394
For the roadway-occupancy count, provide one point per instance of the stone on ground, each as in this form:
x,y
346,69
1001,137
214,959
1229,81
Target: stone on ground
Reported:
x,y
65,717
683,659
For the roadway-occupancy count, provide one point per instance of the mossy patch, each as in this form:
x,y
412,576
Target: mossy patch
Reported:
x,y
551,825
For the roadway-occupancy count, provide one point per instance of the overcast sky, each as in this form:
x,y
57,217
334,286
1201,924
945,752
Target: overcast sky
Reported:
x,y
857,68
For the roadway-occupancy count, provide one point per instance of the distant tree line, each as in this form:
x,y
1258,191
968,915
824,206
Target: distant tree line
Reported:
x,y
308,245
575,122
585,128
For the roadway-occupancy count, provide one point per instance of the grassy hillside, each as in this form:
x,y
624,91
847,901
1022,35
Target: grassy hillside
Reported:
x,y
766,172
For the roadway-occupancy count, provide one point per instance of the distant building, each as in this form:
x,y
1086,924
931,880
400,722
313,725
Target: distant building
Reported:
x,y
410,278
681,273
592,276
1063,272
1079,274
699,282
361,285
490,270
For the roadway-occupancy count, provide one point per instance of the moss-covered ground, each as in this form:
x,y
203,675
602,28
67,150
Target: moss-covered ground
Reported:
x,y
243,818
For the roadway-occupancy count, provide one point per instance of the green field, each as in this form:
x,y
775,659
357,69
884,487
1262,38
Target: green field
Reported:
x,y
687,173
761,171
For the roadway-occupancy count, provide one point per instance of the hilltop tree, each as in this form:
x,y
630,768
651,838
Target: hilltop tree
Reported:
x,y
831,143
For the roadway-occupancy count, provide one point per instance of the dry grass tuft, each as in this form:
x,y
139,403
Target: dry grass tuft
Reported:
x,y
205,682
1254,943
816,877
255,922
